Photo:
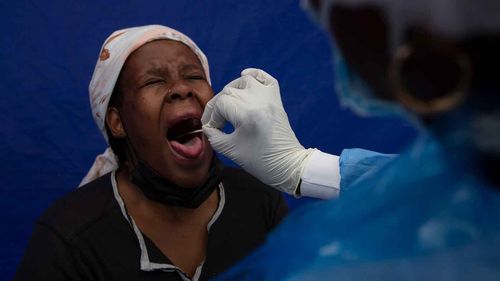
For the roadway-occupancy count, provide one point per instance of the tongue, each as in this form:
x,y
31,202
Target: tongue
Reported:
x,y
190,149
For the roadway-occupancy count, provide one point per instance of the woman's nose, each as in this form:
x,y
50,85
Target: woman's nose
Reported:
x,y
178,95
179,91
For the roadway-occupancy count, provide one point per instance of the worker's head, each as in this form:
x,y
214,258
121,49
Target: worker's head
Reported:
x,y
428,55
434,58
148,90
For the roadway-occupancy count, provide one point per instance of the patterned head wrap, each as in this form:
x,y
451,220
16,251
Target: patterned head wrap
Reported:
x,y
114,52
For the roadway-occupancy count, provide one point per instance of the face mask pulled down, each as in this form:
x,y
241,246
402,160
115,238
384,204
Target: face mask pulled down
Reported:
x,y
157,188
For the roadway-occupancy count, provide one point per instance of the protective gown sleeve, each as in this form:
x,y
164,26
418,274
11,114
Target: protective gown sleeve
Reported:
x,y
325,175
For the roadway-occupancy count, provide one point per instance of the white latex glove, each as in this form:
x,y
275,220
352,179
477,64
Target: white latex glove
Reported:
x,y
263,142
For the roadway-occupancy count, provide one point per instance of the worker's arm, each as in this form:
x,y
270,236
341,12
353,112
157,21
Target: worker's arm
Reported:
x,y
264,144
326,176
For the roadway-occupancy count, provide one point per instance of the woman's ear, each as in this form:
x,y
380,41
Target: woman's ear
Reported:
x,y
114,122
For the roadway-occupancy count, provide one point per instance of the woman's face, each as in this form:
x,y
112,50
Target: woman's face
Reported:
x,y
164,92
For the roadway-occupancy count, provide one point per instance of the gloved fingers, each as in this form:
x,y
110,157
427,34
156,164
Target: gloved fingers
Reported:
x,y
218,139
260,75
243,82
235,84
219,110
263,79
251,92
210,117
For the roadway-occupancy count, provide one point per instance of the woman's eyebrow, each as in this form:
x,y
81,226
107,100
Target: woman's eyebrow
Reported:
x,y
192,66
153,71
160,71
156,70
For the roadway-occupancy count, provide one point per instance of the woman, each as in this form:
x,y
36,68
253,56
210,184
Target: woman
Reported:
x,y
158,205
434,211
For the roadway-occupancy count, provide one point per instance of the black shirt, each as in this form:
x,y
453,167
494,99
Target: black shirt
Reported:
x,y
87,235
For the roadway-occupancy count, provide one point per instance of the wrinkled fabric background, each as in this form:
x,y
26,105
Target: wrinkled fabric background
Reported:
x,y
48,50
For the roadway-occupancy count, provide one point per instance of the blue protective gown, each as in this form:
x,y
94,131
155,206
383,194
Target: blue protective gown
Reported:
x,y
424,215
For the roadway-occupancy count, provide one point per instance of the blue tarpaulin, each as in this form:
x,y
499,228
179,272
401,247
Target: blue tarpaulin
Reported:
x,y
48,50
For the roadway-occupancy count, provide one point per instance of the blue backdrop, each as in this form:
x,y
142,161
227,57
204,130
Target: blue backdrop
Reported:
x,y
47,54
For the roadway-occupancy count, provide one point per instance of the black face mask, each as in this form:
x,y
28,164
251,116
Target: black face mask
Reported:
x,y
159,189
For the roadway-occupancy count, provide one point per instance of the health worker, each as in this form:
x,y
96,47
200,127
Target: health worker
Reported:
x,y
432,213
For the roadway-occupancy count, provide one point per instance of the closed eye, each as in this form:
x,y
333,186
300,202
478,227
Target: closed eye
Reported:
x,y
195,77
152,82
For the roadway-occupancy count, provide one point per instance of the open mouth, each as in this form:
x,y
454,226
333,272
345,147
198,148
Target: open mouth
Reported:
x,y
185,138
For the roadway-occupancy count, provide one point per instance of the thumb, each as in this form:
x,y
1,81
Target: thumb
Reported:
x,y
220,141
221,109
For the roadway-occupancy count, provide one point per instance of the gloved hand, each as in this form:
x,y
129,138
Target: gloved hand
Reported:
x,y
262,142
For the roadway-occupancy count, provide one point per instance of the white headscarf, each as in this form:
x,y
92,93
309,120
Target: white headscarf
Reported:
x,y
114,52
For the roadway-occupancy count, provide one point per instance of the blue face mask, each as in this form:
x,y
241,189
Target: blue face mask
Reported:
x,y
355,94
